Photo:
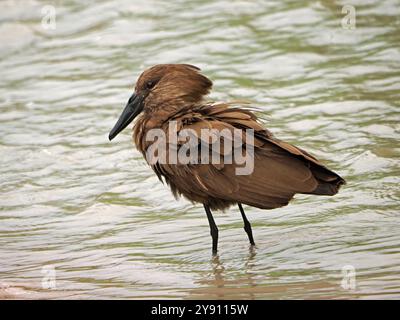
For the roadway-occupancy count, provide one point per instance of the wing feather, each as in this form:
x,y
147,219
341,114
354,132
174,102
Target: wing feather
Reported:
x,y
280,169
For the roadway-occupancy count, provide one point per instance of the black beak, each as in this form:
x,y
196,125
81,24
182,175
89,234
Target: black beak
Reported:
x,y
132,109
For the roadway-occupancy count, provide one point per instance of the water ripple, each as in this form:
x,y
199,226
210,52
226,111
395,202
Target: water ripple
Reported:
x,y
96,213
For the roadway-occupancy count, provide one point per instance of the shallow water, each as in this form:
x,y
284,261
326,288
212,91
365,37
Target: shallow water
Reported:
x,y
94,215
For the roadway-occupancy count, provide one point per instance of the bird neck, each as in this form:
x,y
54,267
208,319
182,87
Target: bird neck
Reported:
x,y
156,118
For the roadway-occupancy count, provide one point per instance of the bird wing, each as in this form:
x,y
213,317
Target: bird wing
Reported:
x,y
279,169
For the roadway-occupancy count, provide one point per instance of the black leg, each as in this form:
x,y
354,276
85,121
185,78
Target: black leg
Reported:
x,y
247,225
213,229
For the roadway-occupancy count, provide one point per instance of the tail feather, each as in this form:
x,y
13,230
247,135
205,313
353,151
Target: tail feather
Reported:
x,y
329,182
328,188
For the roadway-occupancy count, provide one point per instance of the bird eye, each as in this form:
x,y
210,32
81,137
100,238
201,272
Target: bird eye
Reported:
x,y
150,84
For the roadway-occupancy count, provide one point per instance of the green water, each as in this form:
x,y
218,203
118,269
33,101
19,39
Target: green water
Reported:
x,y
95,214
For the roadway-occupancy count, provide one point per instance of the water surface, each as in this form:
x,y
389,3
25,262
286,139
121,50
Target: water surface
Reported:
x,y
96,215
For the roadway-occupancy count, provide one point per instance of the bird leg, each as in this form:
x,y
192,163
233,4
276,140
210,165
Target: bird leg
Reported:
x,y
213,229
247,225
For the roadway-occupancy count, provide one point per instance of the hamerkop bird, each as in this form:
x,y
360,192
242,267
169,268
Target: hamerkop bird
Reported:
x,y
174,93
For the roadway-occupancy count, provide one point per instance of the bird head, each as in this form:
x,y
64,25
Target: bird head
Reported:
x,y
163,86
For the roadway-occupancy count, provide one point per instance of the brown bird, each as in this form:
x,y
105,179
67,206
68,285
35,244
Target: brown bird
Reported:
x,y
168,94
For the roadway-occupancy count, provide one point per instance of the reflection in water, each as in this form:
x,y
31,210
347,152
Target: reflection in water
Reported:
x,y
96,213
248,270
218,271
218,284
